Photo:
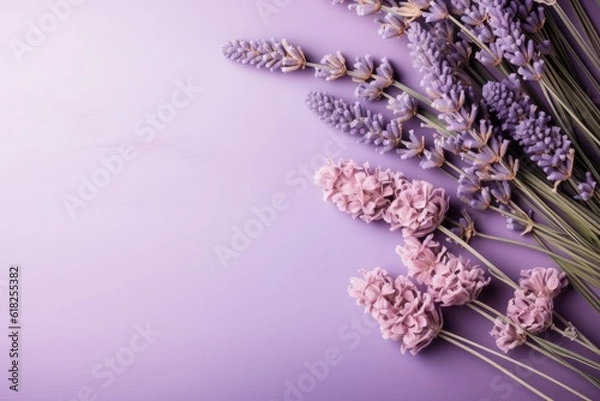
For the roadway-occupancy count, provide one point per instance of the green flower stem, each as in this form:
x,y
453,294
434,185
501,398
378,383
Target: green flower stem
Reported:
x,y
548,349
514,361
591,261
567,205
589,134
584,344
444,335
594,380
580,335
547,193
586,272
588,26
581,42
561,351
481,308
563,55
568,129
529,246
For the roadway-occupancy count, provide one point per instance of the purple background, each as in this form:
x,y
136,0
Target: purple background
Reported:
x,y
143,250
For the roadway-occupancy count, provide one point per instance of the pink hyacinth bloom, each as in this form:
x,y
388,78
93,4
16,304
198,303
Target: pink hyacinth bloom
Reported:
x,y
508,336
420,257
530,312
403,312
455,282
418,209
543,282
360,191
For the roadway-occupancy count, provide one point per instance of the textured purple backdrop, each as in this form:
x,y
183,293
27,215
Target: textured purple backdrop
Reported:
x,y
116,215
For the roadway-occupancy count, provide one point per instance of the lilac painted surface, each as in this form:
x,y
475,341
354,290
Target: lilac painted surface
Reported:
x,y
143,249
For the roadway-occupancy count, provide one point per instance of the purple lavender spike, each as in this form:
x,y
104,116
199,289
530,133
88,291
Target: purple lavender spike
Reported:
x,y
372,128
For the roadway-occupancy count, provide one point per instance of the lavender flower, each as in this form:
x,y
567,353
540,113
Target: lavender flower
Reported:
x,y
368,91
472,192
543,142
434,157
484,153
507,335
403,106
382,79
402,311
363,68
413,147
358,190
532,16
336,67
273,55
510,38
465,229
391,26
363,7
474,17
355,120
437,11
586,189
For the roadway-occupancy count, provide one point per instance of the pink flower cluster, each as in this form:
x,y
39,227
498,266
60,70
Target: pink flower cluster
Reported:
x,y
403,312
358,190
530,311
450,279
415,207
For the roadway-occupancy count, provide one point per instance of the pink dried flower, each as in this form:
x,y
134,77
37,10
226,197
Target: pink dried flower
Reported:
x,y
418,321
543,282
530,312
418,209
419,257
450,279
403,312
455,282
507,335
375,291
415,206
357,190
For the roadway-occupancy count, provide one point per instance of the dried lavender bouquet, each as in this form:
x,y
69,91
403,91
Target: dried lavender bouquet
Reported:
x,y
502,115
511,152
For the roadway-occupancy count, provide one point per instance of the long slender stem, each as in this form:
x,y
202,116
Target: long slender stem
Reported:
x,y
443,335
515,362
591,54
